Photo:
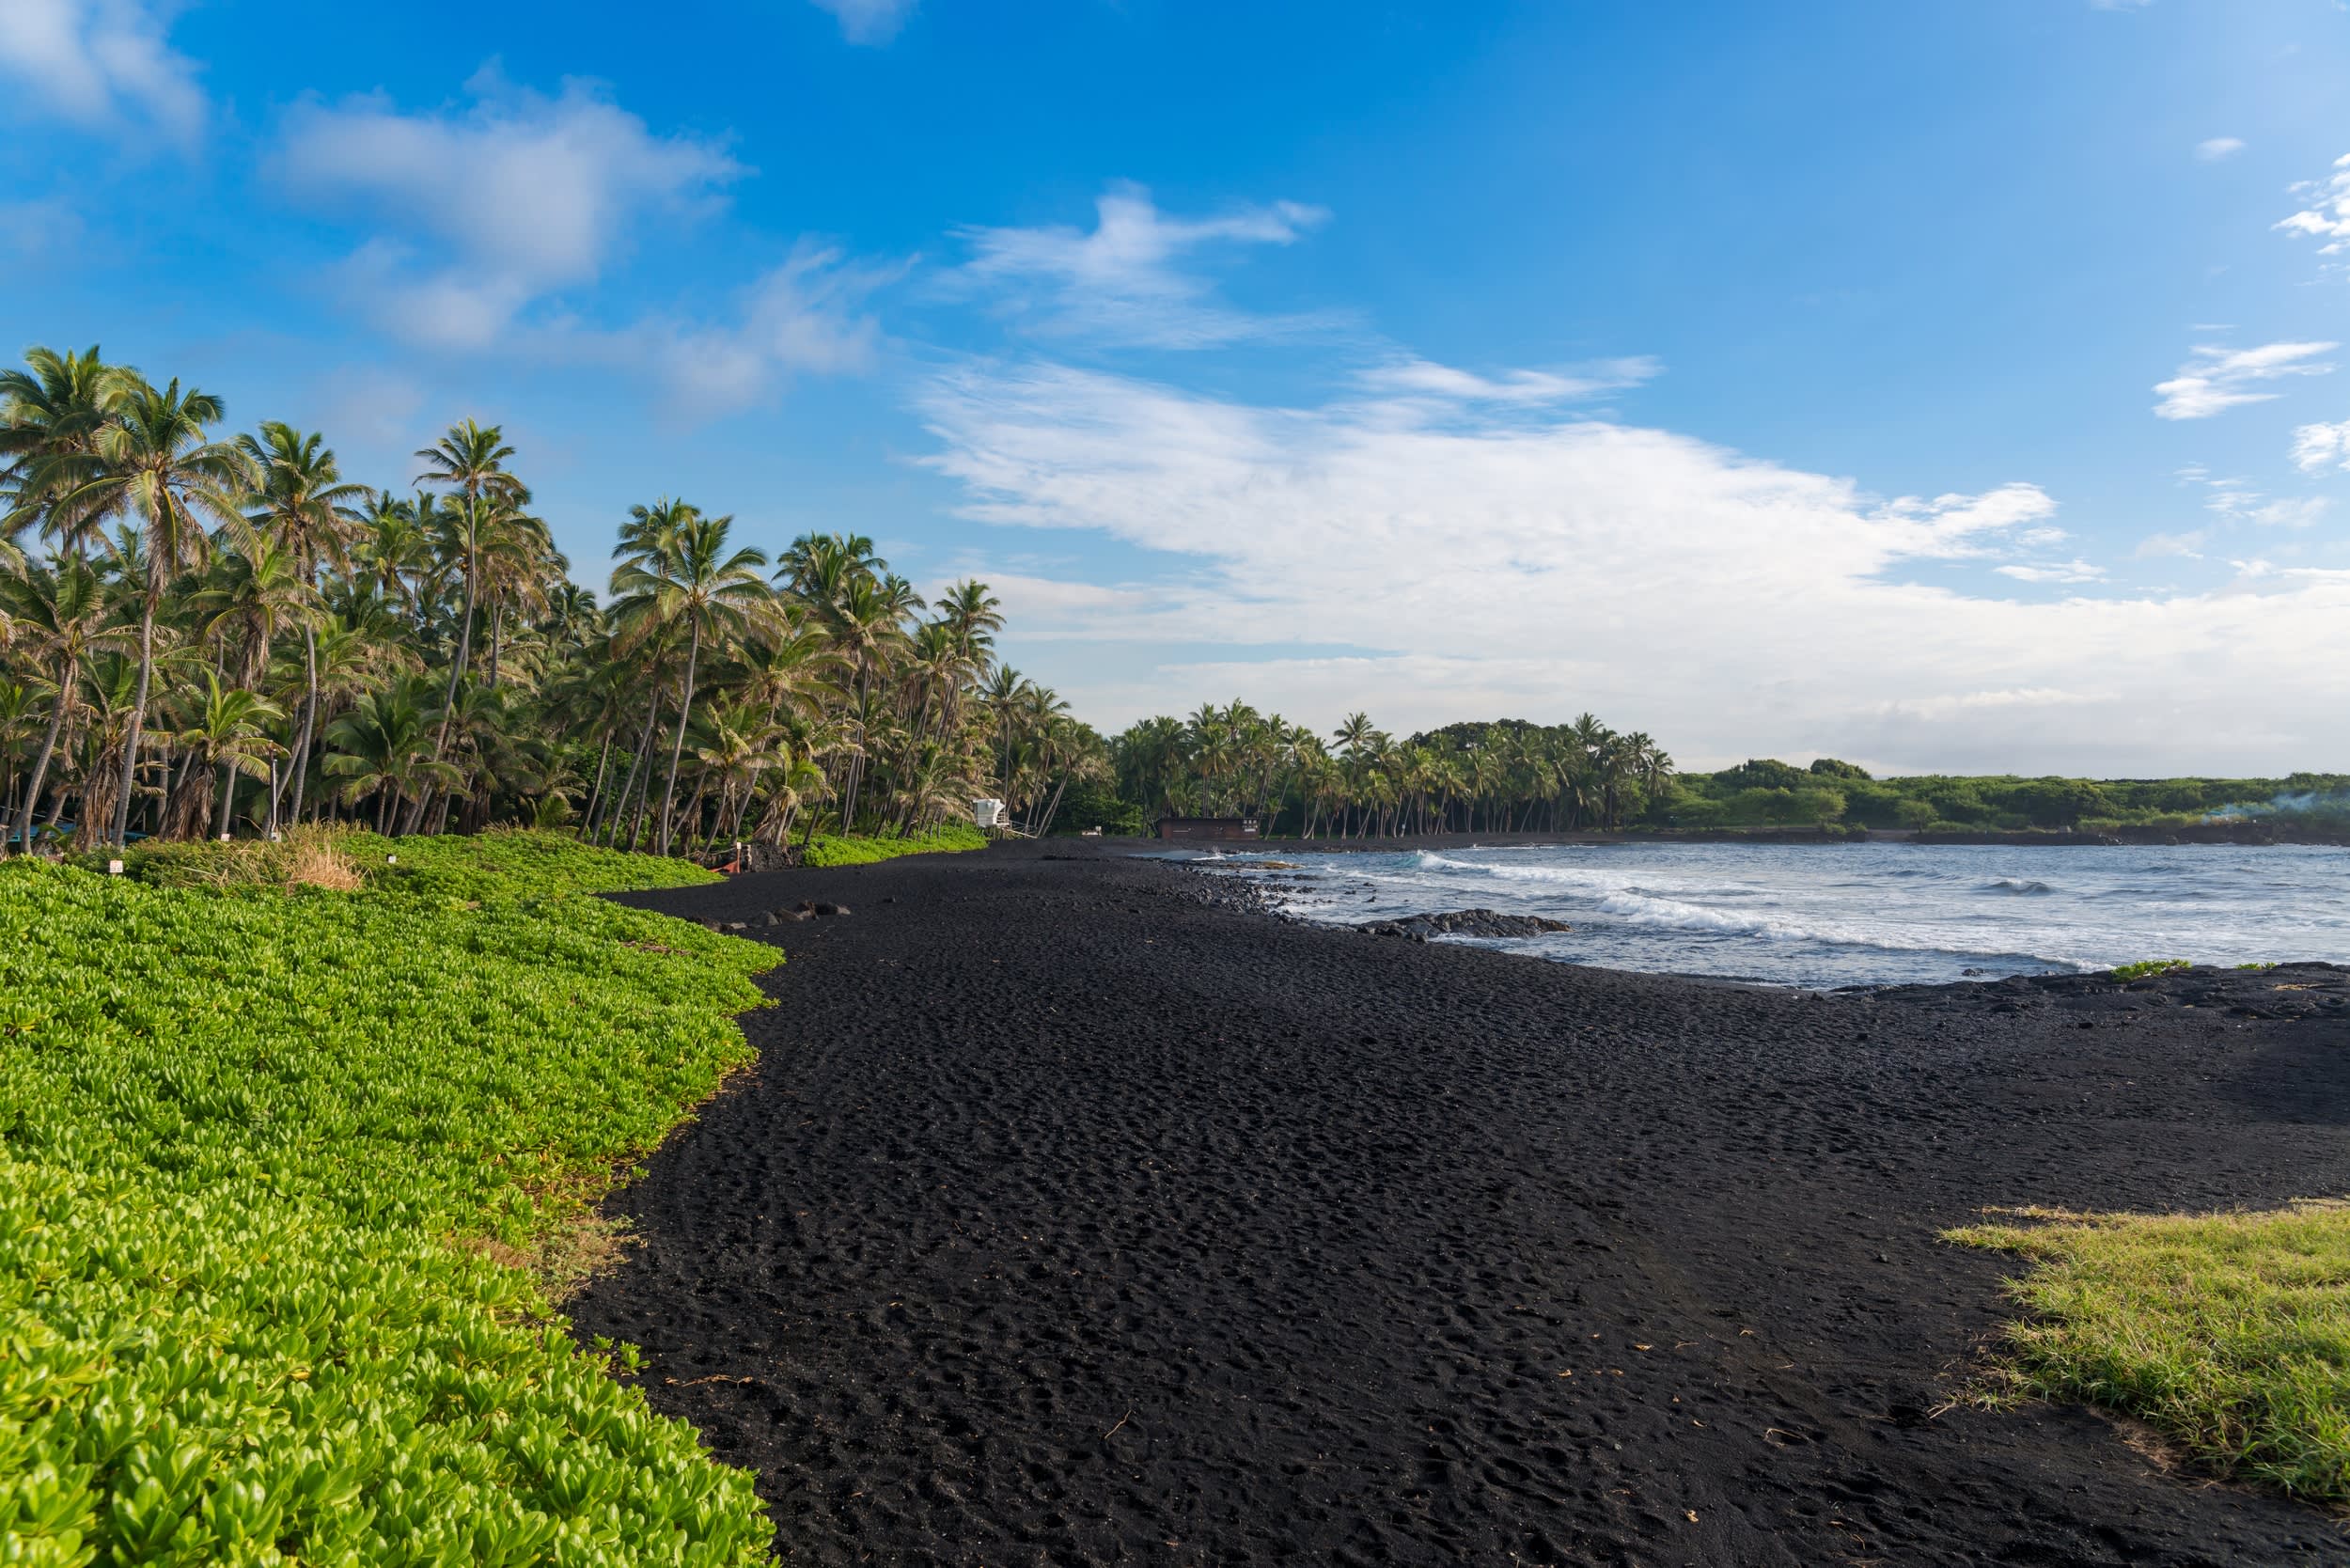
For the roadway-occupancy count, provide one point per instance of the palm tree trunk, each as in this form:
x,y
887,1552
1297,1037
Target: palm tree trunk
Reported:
x,y
676,747
1050,810
595,797
310,719
637,768
41,763
448,694
227,794
138,715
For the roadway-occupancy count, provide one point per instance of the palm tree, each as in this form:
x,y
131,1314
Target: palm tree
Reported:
x,y
470,462
61,614
381,749
685,576
315,515
53,409
154,460
227,736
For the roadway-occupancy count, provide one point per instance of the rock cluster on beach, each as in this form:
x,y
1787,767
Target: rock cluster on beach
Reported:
x,y
2275,991
1463,922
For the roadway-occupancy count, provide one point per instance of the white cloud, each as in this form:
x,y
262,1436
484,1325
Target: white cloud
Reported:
x,y
494,206
2300,513
2073,571
1422,378
1723,603
806,315
2218,149
2327,215
2318,447
105,65
2189,545
2216,379
502,210
868,20
42,227
1958,702
1123,282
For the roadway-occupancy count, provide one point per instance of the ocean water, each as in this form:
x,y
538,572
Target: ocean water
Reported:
x,y
1830,914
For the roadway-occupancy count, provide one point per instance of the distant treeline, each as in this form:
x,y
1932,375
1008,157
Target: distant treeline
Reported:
x,y
1514,776
1767,793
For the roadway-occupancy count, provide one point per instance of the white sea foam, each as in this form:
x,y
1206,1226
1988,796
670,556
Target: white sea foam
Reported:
x,y
1860,914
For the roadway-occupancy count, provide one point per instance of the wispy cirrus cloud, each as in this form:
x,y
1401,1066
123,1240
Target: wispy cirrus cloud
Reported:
x,y
868,20
1414,377
2074,570
2318,447
2325,211
2218,149
1130,281
806,316
2215,380
104,65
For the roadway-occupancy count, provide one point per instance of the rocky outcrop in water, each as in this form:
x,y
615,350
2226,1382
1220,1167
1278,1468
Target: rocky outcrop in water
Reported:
x,y
1463,922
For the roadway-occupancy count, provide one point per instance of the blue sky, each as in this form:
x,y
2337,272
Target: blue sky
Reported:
x,y
1942,384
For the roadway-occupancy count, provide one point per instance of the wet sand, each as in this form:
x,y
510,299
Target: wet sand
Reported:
x,y
1071,1217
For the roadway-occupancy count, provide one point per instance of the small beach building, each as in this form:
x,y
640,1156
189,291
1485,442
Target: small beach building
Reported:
x,y
1208,828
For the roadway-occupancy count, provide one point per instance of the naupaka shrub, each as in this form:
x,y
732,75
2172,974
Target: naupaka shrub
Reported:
x,y
250,1141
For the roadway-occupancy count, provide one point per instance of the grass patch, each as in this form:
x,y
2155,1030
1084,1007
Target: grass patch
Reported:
x,y
2147,969
825,850
269,1150
2229,1335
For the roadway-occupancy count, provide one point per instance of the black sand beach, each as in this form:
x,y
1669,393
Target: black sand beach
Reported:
x,y
1070,1218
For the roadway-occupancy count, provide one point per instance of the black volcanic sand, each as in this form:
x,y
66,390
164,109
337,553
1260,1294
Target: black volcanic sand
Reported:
x,y
1071,1218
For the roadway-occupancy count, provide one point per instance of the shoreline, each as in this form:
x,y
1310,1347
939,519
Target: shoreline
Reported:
x,y
2251,835
1068,1215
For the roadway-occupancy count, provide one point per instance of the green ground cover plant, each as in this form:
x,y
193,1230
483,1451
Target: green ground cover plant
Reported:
x,y
2146,968
950,838
2228,1334
264,1148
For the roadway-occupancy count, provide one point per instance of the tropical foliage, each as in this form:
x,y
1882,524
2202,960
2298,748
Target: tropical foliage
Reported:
x,y
1361,782
203,635
267,1146
1511,777
1837,794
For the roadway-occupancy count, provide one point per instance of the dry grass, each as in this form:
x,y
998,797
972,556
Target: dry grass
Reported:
x,y
311,855
314,860
564,1259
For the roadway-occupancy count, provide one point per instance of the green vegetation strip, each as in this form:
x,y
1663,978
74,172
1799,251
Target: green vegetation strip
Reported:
x,y
826,851
263,1146
2228,1334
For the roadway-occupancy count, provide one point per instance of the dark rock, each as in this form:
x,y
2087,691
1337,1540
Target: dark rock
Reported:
x,y
2299,990
1463,922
